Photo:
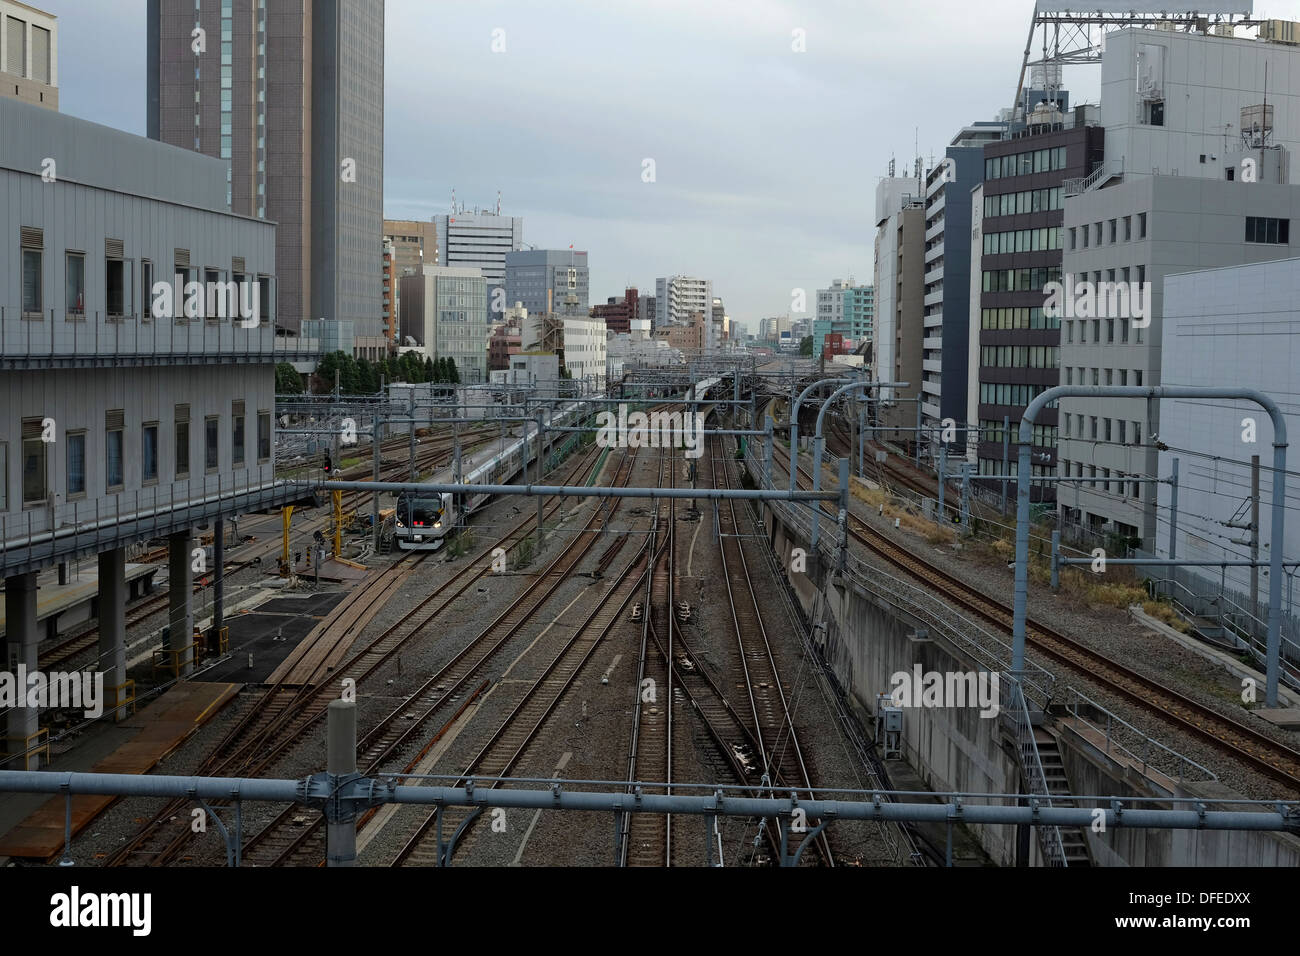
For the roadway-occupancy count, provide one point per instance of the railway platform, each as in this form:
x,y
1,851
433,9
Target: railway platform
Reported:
x,y
62,606
34,829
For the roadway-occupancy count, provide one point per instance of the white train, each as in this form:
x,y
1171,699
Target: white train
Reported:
x,y
422,521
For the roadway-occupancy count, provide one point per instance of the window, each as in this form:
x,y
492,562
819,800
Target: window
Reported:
x,y
1093,433
74,284
237,435
1113,230
211,437
115,286
149,452
146,290
76,464
1266,230
1142,225
1137,377
32,255
182,441
1073,238
114,422
1123,427
35,472
263,436
1128,228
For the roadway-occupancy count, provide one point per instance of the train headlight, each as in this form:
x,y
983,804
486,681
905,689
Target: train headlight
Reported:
x,y
437,524
399,522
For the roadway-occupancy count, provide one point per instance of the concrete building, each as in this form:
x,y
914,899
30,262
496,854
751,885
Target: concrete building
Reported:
x,y
480,240
900,293
29,54
293,103
578,341
678,298
947,278
408,244
548,280
859,313
125,412
619,313
503,342
1182,188
1021,254
1224,327
445,312
647,307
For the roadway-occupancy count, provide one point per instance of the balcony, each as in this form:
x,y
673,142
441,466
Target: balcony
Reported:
x,y
52,341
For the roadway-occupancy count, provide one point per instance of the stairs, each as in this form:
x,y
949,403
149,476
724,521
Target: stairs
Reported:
x,y
1073,839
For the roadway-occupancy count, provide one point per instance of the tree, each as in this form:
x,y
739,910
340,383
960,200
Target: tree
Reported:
x,y
367,377
453,375
287,379
805,346
428,370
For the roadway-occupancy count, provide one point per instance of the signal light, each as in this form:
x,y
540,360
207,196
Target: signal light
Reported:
x,y
328,466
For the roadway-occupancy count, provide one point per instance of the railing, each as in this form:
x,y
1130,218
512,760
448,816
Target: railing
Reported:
x,y
1185,769
1031,767
152,510
55,335
1104,170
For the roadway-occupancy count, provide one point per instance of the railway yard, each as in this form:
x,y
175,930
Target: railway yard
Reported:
x,y
650,645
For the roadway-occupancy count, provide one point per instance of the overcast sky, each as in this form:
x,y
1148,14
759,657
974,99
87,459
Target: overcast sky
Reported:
x,y
765,159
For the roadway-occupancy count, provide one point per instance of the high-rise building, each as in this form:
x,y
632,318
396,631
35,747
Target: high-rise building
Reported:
x,y
1020,254
947,278
480,240
859,314
29,54
678,298
548,280
291,96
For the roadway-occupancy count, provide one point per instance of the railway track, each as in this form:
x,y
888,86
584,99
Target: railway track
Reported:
x,y
66,653
277,719
780,754
646,838
502,751
283,842
1229,735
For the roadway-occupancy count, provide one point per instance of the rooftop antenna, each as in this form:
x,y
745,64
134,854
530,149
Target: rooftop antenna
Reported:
x,y
498,202
453,200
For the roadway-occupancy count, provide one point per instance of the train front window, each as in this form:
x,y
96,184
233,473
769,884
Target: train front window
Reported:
x,y
423,512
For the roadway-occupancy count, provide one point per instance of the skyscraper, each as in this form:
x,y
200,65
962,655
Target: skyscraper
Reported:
x,y
265,88
479,240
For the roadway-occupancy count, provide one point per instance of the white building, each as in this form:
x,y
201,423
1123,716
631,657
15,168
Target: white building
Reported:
x,y
1170,198
479,240
1225,327
29,54
677,298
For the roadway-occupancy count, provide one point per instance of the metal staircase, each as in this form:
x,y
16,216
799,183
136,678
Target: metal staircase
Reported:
x,y
1074,842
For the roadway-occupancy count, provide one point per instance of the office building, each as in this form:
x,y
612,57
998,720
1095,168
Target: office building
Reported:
x,y
1195,176
548,280
900,291
445,313
480,240
944,360
1020,254
29,54
291,97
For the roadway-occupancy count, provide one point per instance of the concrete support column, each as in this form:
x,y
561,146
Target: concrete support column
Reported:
x,y
180,588
112,626
22,642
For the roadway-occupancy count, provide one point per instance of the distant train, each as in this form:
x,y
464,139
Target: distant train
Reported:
x,y
422,520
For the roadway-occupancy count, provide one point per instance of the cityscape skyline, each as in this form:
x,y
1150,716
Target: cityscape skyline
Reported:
x,y
775,209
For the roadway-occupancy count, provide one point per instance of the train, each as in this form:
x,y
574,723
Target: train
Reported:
x,y
422,520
